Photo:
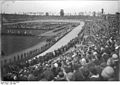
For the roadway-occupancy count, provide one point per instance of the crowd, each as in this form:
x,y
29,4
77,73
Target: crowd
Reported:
x,y
36,25
76,61
26,29
31,28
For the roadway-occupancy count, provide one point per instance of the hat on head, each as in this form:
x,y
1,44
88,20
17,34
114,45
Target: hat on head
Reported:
x,y
55,64
106,46
110,62
117,47
102,49
94,53
107,72
70,75
83,61
61,74
103,64
115,56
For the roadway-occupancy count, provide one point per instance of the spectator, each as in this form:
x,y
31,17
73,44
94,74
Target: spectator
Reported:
x,y
94,75
108,73
78,76
60,77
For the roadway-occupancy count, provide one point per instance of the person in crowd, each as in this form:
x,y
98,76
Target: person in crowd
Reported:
x,y
107,73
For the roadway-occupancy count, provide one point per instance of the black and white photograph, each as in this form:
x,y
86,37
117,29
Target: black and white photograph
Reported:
x,y
60,40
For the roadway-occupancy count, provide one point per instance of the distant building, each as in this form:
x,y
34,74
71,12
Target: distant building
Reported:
x,y
94,13
47,14
61,12
81,13
102,11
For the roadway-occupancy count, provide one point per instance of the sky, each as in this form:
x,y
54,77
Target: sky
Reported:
x,y
55,6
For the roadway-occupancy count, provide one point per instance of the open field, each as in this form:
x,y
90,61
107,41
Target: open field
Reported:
x,y
12,44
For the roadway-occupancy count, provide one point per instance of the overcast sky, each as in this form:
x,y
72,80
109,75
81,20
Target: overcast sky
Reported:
x,y
55,6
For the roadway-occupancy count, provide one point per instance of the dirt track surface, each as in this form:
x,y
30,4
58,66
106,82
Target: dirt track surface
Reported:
x,y
65,39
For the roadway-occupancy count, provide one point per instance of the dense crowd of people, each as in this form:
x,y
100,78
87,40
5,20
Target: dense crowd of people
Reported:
x,y
76,61
27,28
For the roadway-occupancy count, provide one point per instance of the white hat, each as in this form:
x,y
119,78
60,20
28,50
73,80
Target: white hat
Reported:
x,y
117,47
74,55
46,65
107,72
101,48
55,64
94,53
114,56
83,61
106,46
